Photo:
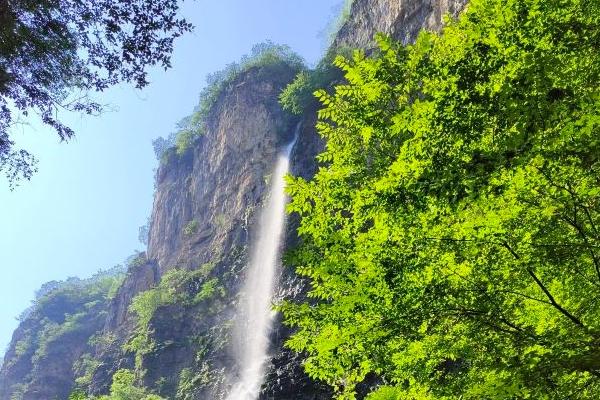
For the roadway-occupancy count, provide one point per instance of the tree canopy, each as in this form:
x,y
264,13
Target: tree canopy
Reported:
x,y
54,53
451,236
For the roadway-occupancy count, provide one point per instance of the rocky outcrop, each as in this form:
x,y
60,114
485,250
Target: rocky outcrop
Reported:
x,y
142,275
119,323
213,189
53,376
41,361
401,19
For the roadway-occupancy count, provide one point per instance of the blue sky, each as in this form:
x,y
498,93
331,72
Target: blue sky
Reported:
x,y
82,210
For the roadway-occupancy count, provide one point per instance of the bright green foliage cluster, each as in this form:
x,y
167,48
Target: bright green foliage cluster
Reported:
x,y
123,388
298,93
177,286
205,269
188,381
209,289
452,234
299,96
102,285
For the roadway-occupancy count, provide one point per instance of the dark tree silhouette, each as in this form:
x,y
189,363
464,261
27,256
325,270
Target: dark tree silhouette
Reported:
x,y
54,53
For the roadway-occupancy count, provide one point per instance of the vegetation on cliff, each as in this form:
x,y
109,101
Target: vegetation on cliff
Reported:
x,y
341,13
177,286
266,58
298,97
451,235
58,326
123,388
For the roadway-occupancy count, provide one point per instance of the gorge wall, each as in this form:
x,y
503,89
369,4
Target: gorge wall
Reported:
x,y
401,19
205,206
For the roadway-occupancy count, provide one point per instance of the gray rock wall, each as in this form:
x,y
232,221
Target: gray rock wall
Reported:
x,y
401,19
222,179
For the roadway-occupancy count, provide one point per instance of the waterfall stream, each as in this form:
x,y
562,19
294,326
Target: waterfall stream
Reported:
x,y
253,325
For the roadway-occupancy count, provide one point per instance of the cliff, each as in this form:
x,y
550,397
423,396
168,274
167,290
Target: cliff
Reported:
x,y
401,19
204,206
42,359
218,183
170,318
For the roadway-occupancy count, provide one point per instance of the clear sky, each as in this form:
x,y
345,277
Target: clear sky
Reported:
x,y
82,210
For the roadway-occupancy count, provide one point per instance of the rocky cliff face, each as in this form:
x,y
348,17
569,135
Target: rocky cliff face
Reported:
x,y
401,19
205,204
42,360
215,187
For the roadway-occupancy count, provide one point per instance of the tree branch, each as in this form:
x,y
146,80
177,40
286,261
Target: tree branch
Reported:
x,y
553,301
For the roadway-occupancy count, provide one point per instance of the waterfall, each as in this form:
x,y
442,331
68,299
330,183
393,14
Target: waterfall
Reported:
x,y
253,325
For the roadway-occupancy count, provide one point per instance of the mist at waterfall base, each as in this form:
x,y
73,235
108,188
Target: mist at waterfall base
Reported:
x,y
255,317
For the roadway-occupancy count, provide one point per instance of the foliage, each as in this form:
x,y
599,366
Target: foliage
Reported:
x,y
123,388
177,286
78,394
205,269
23,346
392,393
451,235
263,57
84,370
51,331
144,232
299,96
209,289
60,309
50,49
136,260
144,305
160,145
101,285
185,138
341,14
188,381
103,340
299,92
191,227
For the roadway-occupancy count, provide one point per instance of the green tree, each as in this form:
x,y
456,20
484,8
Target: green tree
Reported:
x,y
123,388
451,235
53,53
